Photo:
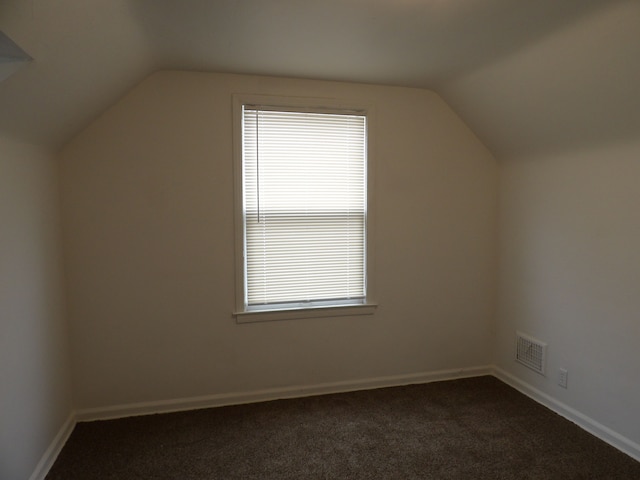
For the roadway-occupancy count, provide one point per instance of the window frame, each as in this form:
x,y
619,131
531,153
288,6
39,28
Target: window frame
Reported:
x,y
302,104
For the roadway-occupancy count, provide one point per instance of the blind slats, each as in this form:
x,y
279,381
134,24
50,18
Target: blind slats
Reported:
x,y
304,188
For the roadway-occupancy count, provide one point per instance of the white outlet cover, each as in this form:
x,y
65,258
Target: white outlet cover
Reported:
x,y
563,377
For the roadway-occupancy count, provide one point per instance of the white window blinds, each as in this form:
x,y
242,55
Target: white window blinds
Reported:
x,y
304,192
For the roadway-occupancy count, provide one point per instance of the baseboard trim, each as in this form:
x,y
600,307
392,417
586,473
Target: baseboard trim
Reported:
x,y
50,455
585,422
239,398
603,432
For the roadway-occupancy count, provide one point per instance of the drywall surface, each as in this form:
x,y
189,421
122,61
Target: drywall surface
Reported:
x,y
149,240
574,88
35,394
86,55
570,276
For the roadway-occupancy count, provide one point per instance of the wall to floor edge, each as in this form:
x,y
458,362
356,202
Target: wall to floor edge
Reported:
x,y
585,422
149,408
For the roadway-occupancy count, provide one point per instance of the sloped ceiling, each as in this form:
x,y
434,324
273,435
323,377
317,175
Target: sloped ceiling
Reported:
x,y
576,88
526,75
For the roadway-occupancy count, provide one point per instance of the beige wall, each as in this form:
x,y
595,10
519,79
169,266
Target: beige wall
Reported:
x,y
149,241
148,235
570,275
35,390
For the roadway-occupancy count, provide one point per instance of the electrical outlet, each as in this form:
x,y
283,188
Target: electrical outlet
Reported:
x,y
563,378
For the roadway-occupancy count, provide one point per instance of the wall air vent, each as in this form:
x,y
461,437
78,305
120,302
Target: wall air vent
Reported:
x,y
531,352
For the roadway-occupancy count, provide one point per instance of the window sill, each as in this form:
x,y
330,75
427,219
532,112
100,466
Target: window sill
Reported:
x,y
299,313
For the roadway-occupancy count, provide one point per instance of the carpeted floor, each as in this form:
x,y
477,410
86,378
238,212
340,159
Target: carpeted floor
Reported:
x,y
476,428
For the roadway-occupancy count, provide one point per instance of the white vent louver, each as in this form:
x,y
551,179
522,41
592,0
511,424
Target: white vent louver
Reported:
x,y
531,352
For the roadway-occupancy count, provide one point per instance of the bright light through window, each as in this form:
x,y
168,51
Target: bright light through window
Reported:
x,y
304,207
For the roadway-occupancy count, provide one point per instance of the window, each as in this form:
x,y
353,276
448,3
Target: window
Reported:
x,y
302,210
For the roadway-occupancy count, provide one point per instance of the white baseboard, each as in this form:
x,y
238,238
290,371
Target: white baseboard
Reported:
x,y
207,401
46,462
146,408
219,400
603,432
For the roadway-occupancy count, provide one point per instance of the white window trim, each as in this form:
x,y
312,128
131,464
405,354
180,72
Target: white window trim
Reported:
x,y
317,105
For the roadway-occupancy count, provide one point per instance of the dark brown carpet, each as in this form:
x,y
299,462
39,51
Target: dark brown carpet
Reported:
x,y
476,428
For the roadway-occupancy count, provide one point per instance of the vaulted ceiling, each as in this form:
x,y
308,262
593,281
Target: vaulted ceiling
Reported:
x,y
527,76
